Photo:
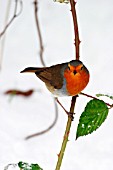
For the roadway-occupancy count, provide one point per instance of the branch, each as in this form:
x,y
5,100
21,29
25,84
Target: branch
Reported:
x,y
87,95
14,16
75,23
43,63
39,32
3,40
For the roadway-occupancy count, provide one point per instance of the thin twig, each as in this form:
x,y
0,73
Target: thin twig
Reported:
x,y
75,23
61,105
47,129
43,63
14,16
2,46
39,32
87,95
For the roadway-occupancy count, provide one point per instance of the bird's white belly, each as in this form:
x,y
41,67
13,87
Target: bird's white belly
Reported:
x,y
58,92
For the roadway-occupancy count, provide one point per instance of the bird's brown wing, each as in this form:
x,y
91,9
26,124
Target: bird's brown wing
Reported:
x,y
51,76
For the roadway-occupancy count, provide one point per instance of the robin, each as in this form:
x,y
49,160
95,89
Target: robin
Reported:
x,y
66,79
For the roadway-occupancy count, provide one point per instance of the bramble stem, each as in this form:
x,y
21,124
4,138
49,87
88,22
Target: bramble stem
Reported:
x,y
76,33
66,135
69,122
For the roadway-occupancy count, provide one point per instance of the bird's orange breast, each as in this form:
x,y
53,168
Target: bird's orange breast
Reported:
x,y
75,83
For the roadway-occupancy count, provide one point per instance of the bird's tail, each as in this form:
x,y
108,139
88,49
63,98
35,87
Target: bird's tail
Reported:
x,y
31,70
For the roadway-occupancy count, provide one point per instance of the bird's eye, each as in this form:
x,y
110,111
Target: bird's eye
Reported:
x,y
68,68
74,72
82,68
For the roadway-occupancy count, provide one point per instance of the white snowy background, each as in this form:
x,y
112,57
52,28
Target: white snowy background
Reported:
x,y
20,117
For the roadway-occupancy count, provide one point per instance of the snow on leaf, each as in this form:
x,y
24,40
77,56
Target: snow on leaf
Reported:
x,y
92,117
26,166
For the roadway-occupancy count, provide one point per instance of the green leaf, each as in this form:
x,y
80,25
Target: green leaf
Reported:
x,y
93,116
106,95
26,166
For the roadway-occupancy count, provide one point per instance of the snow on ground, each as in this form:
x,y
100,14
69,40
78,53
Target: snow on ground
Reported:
x,y
20,117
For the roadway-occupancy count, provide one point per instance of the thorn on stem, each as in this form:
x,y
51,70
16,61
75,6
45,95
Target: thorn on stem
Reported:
x,y
58,155
79,42
74,43
75,2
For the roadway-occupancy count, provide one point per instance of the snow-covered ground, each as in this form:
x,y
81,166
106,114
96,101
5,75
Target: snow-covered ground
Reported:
x,y
20,117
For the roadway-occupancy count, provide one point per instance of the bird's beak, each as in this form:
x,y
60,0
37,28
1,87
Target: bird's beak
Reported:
x,y
22,71
29,70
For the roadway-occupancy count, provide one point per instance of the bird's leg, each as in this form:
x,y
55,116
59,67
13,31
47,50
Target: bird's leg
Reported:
x,y
68,113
